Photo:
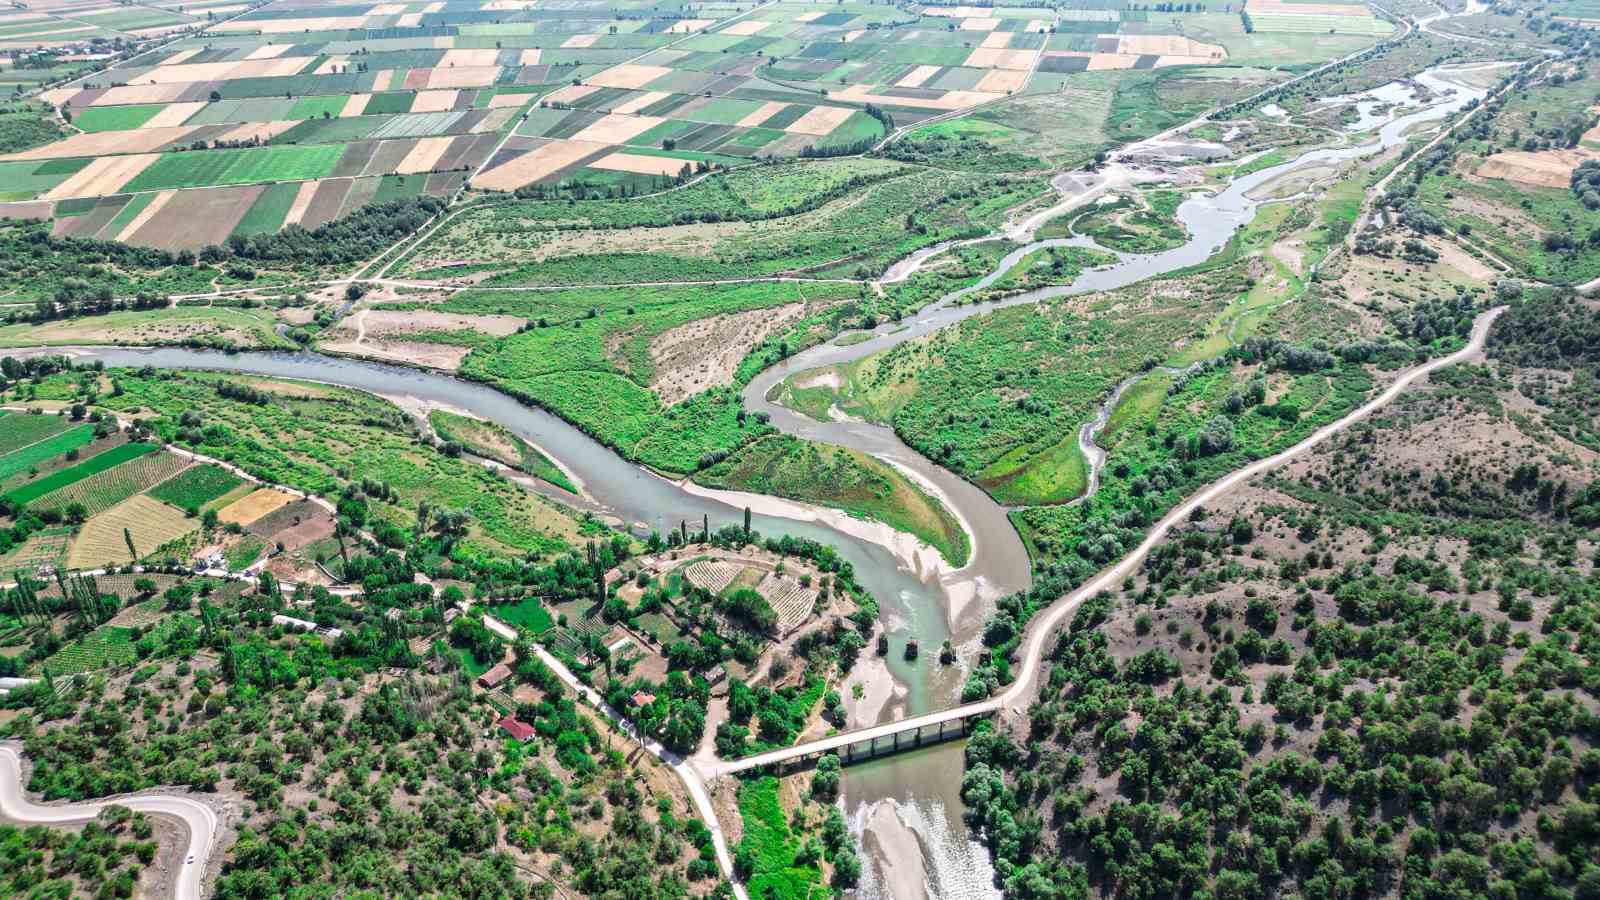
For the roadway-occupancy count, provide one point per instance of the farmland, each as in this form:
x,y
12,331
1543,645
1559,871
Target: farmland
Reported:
x,y
196,486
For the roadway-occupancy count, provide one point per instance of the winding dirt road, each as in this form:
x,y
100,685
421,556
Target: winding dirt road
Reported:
x,y
199,819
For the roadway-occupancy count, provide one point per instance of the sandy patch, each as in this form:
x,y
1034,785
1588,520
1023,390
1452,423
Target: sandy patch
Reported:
x,y
628,75
765,112
1456,258
262,131
1271,7
705,353
434,101
640,164
1003,81
820,120
385,322
689,26
354,105
571,93
269,51
991,58
463,76
254,505
479,57
917,76
102,176
302,202
145,215
174,115
879,689
1545,168
580,41
894,844
745,27
639,101
860,93
103,143
287,26
433,356
535,164
615,129
1168,45
529,57
424,157
1099,61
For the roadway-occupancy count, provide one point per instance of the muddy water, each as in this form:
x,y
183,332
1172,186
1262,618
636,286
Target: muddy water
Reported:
x,y
923,786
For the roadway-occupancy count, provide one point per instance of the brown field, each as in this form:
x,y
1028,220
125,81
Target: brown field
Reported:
x,y
571,93
1003,81
1098,61
331,65
529,57
386,322
102,176
987,58
643,165
151,522
180,56
535,164
1545,168
244,131
156,204
861,93
820,120
627,75
287,26
614,129
254,506
508,101
997,40
187,73
915,77
434,101
481,57
957,12
745,27
102,143
1169,45
684,367
139,93
269,51
197,217
354,105
496,119
767,111
176,114
424,157
580,41
383,81
461,77
980,23
689,26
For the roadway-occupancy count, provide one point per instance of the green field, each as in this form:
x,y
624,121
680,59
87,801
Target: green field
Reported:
x,y
18,430
204,168
116,118
527,613
32,455
196,486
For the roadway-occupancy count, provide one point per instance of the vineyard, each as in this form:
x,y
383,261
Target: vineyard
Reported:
x,y
792,601
21,430
713,575
100,462
150,522
196,486
103,490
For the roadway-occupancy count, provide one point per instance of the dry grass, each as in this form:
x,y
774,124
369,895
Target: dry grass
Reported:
x,y
151,522
254,506
1545,168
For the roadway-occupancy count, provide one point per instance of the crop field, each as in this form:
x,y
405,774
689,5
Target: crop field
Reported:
x,y
71,475
18,430
103,490
151,523
196,486
24,458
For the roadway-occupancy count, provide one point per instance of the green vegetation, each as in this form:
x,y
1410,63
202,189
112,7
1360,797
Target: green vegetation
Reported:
x,y
116,118
196,486
26,125
767,853
494,441
1143,224
203,168
106,856
32,455
20,430
845,479
100,462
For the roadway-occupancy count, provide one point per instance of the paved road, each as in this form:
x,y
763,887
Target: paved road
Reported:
x,y
1041,631
199,818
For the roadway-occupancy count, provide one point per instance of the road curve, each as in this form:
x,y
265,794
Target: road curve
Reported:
x,y
1041,630
198,818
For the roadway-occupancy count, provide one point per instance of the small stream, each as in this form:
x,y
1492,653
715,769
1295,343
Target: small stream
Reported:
x,y
921,604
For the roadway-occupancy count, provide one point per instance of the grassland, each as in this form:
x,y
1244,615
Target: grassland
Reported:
x,y
96,464
771,848
18,430
844,479
205,168
30,456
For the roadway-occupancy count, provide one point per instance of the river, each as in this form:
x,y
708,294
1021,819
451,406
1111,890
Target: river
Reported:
x,y
919,791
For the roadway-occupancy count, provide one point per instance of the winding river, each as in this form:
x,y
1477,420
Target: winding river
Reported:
x,y
920,791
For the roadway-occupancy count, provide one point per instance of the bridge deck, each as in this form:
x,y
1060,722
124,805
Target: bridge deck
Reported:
x,y
835,742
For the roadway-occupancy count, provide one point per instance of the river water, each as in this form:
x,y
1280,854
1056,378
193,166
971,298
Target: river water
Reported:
x,y
922,788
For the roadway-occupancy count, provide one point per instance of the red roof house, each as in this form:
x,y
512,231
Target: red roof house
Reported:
x,y
492,678
517,728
